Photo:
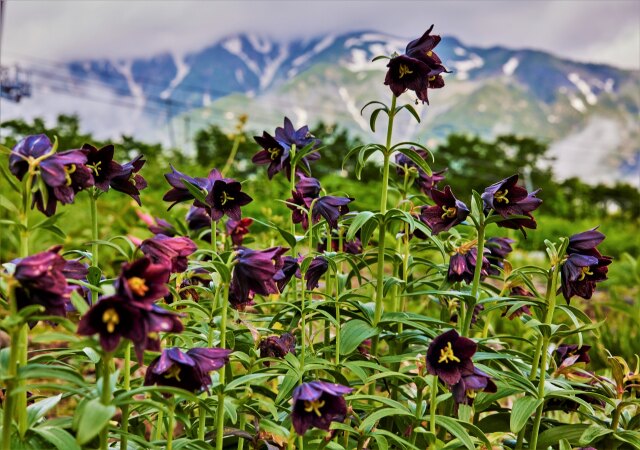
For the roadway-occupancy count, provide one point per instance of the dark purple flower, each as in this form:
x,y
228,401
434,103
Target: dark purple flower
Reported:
x,y
188,371
178,192
240,303
447,212
449,356
288,136
581,272
309,187
567,355
76,270
353,247
423,181
273,153
169,251
277,346
114,318
157,225
130,181
237,229
498,248
290,267
197,218
331,208
524,309
102,165
318,267
225,196
41,281
255,270
462,265
508,199
143,282
31,147
585,241
418,70
317,404
187,288
299,205
471,382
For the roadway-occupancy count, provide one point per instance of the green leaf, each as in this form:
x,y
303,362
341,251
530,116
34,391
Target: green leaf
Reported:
x,y
631,437
552,436
374,417
416,158
564,445
58,437
353,333
10,178
94,418
456,429
358,221
79,303
8,204
373,118
94,275
247,380
409,107
37,411
593,434
194,190
93,356
522,409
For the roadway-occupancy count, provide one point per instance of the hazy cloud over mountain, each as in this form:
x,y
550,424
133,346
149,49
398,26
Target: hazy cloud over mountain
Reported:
x,y
597,31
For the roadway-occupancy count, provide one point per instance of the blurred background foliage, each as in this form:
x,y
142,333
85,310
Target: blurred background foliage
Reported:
x,y
570,206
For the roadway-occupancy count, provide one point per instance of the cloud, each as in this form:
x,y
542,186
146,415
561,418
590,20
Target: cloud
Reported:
x,y
601,31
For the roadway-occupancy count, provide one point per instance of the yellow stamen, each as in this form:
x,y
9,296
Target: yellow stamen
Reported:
x,y
449,212
95,167
429,53
471,394
138,286
432,78
446,354
273,153
585,271
173,372
404,70
224,198
314,406
111,318
67,173
501,196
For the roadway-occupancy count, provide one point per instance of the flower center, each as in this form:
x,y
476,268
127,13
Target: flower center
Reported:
x,y
501,196
273,153
584,272
429,53
224,198
173,372
449,212
111,318
432,78
404,70
68,170
471,393
138,286
446,354
314,406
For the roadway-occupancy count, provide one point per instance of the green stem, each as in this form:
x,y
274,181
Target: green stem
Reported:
x,y
551,305
241,425
202,418
232,155
223,344
339,325
291,442
433,404
157,435
12,373
475,286
418,413
170,425
105,397
214,237
124,424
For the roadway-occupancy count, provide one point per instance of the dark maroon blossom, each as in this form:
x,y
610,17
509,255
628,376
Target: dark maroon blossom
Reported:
x,y
447,212
290,267
462,265
331,208
102,165
130,181
169,251
238,229
419,69
30,148
240,303
499,248
157,225
299,205
41,281
471,382
273,153
353,247
309,187
277,346
567,355
189,371
225,197
318,267
449,356
197,219
580,273
508,199
317,404
586,241
143,282
178,192
255,270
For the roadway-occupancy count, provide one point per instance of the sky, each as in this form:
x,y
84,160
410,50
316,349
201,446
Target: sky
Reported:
x,y
58,30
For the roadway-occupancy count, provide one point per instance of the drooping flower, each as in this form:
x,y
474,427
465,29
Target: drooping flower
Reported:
x,y
580,273
114,318
567,355
277,346
318,267
471,382
254,270
508,199
189,371
447,212
499,248
288,136
586,241
169,251
290,267
273,153
317,404
240,303
331,208
41,281
225,196
198,219
449,356
143,282
178,192
419,69
462,265
130,181
157,225
237,229
353,247
309,187
29,148
299,205
102,165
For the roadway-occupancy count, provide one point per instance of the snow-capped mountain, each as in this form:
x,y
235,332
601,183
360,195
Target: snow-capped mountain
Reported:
x,y
588,111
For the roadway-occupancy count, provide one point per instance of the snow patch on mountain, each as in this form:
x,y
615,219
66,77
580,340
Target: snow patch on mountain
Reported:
x,y
124,68
510,66
352,108
397,45
459,51
319,47
462,68
272,66
182,70
260,44
234,46
583,87
577,104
